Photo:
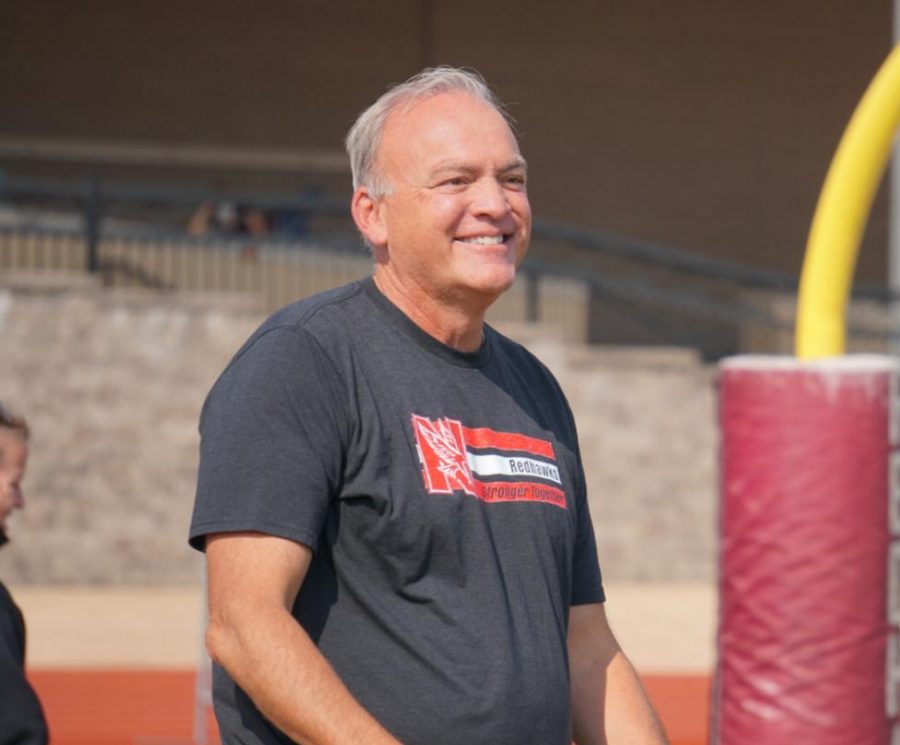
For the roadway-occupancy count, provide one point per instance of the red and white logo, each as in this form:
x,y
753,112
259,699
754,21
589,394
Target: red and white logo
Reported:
x,y
492,466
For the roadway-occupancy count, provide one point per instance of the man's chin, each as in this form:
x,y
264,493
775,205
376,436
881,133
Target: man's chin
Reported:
x,y
492,278
495,285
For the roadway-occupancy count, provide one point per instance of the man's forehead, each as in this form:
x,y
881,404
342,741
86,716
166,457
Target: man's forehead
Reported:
x,y
426,129
440,109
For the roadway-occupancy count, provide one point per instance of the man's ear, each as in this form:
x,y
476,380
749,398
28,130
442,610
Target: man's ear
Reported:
x,y
367,214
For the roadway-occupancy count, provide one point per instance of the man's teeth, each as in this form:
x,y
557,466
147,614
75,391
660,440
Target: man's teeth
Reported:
x,y
484,240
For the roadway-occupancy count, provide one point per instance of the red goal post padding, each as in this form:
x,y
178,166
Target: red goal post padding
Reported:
x,y
809,613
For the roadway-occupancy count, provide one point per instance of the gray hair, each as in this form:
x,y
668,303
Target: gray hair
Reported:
x,y
364,137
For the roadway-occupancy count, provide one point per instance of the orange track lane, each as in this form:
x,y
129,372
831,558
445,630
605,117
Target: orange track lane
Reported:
x,y
151,707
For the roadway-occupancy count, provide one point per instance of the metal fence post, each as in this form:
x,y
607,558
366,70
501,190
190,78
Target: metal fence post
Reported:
x,y
92,217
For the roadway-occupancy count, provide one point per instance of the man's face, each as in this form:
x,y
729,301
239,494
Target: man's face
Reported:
x,y
457,220
13,456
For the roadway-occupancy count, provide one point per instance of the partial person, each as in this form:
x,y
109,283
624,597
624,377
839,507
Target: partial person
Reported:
x,y
21,716
227,219
391,496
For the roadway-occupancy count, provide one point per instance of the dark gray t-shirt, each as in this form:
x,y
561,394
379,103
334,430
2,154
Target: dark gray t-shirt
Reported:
x,y
444,497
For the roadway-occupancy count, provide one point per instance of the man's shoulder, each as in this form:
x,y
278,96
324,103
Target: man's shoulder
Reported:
x,y
321,306
12,624
519,355
6,599
326,316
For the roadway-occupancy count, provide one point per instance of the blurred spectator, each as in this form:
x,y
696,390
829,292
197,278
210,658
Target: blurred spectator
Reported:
x,y
227,219
253,221
21,716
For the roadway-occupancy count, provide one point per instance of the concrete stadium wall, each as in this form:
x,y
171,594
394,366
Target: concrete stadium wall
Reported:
x,y
112,382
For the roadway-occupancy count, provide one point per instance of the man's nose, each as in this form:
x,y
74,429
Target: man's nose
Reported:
x,y
490,198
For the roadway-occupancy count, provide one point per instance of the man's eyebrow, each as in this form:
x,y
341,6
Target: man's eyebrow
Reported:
x,y
515,164
451,165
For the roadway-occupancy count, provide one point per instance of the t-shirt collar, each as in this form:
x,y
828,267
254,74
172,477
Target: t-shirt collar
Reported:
x,y
421,338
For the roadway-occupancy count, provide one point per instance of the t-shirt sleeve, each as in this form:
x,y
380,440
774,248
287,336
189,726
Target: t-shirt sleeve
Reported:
x,y
587,582
271,441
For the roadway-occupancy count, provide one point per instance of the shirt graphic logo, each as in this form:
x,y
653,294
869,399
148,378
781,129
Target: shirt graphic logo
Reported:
x,y
491,466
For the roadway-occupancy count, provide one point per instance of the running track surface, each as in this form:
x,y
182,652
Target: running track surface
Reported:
x,y
156,707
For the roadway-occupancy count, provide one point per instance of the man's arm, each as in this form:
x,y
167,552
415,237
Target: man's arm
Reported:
x,y
253,582
609,705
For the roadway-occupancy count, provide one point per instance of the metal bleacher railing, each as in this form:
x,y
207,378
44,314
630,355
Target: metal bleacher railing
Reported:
x,y
757,299
125,234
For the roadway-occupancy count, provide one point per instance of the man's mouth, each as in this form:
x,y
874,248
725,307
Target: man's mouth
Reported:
x,y
485,240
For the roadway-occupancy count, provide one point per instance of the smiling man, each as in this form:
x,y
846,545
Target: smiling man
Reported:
x,y
390,495
452,221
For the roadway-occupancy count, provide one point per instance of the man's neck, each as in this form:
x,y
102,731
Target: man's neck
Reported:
x,y
448,322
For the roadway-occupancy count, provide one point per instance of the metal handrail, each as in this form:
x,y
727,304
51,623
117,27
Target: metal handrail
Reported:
x,y
91,194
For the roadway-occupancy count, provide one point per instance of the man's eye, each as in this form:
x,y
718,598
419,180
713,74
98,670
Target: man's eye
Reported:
x,y
514,183
454,181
